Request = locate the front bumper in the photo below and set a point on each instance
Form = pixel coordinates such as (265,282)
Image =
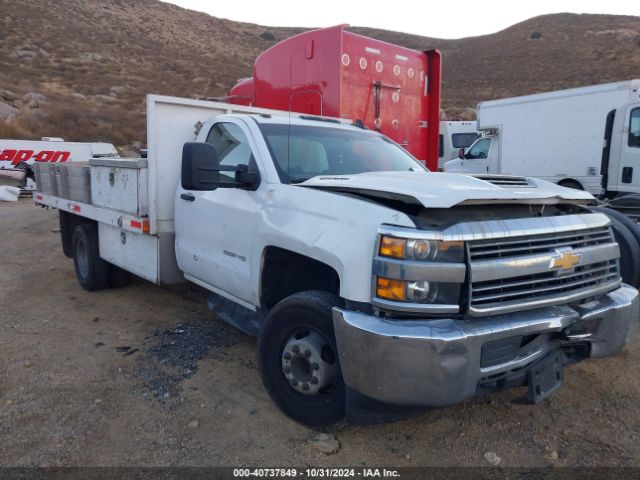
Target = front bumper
(444,361)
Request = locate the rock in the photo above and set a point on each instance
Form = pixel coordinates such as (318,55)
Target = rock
(79,96)
(88,57)
(554,455)
(97,400)
(8,95)
(193,424)
(25,54)
(33,100)
(27,97)
(7,111)
(105,98)
(492,458)
(327,443)
(28,364)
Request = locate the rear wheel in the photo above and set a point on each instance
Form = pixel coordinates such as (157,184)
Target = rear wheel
(298,359)
(92,272)
(570,184)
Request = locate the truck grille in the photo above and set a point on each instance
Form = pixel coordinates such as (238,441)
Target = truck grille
(546,287)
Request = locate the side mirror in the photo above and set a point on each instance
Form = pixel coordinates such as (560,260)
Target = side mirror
(246,179)
(199,166)
(201,170)
(461,154)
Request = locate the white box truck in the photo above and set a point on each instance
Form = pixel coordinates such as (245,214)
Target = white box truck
(586,138)
(375,287)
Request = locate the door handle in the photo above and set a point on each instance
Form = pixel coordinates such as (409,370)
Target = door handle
(189,197)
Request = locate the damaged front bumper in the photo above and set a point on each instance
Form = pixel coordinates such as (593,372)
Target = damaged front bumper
(444,361)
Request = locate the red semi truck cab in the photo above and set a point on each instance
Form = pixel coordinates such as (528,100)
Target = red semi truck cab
(335,73)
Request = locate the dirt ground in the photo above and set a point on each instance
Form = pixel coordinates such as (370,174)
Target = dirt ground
(149,377)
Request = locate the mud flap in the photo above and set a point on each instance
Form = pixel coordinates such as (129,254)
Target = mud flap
(545,376)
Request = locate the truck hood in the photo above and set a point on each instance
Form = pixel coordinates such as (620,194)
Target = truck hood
(445,190)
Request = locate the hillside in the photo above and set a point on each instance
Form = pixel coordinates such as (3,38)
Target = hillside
(80,69)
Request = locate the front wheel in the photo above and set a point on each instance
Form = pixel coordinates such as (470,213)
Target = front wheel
(298,359)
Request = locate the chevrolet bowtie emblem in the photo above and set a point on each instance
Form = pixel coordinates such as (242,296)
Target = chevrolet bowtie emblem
(565,259)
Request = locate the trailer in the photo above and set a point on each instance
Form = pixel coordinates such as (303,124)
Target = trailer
(47,150)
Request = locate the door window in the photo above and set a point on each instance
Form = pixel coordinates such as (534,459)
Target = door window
(463,140)
(480,149)
(232,147)
(634,128)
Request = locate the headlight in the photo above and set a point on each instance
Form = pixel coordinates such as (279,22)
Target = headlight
(424,292)
(421,250)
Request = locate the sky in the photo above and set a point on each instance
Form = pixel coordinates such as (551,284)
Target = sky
(440,19)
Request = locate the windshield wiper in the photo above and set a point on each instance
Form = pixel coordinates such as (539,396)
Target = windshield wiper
(297,180)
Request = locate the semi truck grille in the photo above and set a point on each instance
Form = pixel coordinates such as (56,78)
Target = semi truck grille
(514,273)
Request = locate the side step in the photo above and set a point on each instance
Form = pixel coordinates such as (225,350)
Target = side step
(240,317)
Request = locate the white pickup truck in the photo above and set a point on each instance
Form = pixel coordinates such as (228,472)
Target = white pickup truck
(374,286)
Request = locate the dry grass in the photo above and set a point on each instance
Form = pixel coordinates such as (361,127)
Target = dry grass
(95,61)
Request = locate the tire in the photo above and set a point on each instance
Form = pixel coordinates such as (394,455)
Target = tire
(570,184)
(627,235)
(91,271)
(118,277)
(626,221)
(303,320)
(66,232)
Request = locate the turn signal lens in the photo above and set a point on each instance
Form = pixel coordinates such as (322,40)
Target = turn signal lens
(391,289)
(393,247)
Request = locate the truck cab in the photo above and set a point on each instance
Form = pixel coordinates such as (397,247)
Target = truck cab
(455,135)
(621,150)
(481,157)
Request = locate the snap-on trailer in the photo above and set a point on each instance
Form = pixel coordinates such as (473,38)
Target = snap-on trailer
(50,150)
(132,199)
(336,73)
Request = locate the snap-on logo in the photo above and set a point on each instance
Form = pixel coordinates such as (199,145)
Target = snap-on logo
(17,156)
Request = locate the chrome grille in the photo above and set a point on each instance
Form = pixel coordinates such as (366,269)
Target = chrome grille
(487,249)
(537,288)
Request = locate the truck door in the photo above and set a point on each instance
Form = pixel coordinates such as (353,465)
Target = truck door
(214,229)
(629,172)
(476,159)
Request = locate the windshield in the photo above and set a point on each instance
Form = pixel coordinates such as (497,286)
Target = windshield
(302,152)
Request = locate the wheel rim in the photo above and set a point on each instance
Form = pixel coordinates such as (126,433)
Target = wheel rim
(82,258)
(309,363)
